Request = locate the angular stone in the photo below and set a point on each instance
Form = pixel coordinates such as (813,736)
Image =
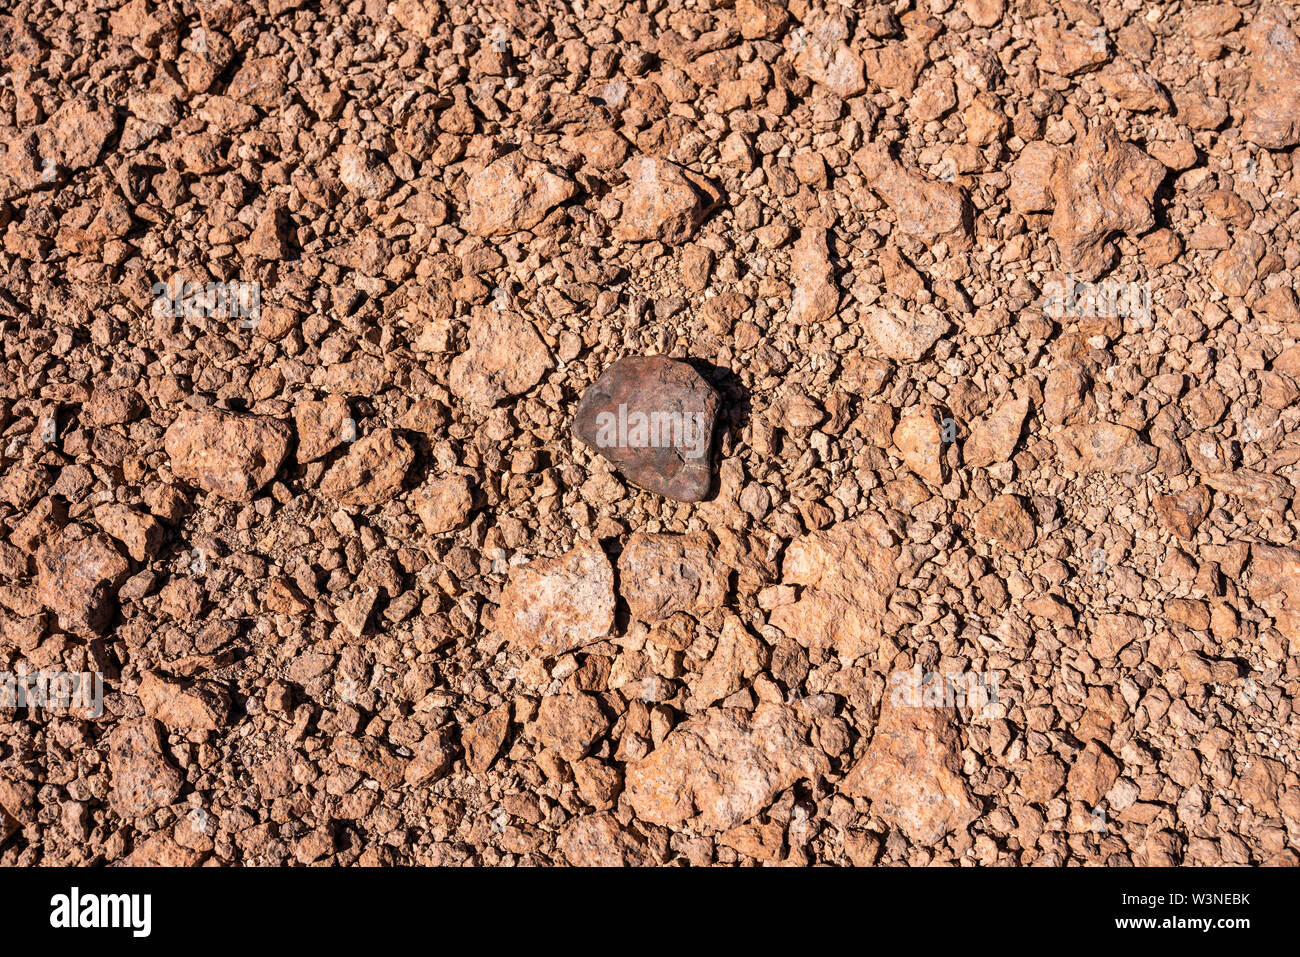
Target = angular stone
(569,724)
(444,504)
(228,454)
(1260,487)
(912,773)
(763,842)
(984,13)
(815,296)
(75,134)
(505,357)
(1274,584)
(598,783)
(1271,106)
(736,660)
(78,573)
(598,840)
(554,605)
(1042,779)
(162,850)
(993,439)
(723,765)
(1006,522)
(904,335)
(433,759)
(823,55)
(759,19)
(513,194)
(653,418)
(1031,175)
(897,66)
(1133,89)
(661,574)
(919,440)
(1103,447)
(192,706)
(143,778)
(321,426)
(369,756)
(354,613)
(1183,512)
(1070,52)
(484,737)
(659,202)
(372,472)
(270,239)
(365,172)
(932,211)
(139,532)
(1112,634)
(111,407)
(1091,775)
(846,574)
(1102,187)
(418,16)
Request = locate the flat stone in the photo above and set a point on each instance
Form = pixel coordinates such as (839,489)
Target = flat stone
(598,840)
(724,765)
(919,440)
(321,426)
(372,472)
(139,532)
(143,778)
(661,574)
(1092,774)
(1103,447)
(1182,512)
(228,454)
(904,335)
(569,724)
(846,574)
(484,737)
(816,296)
(1271,107)
(444,504)
(192,706)
(1005,521)
(554,605)
(912,773)
(1102,187)
(505,357)
(653,418)
(513,194)
(930,210)
(659,201)
(823,55)
(993,439)
(78,573)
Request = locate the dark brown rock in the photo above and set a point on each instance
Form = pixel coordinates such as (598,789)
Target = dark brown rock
(653,418)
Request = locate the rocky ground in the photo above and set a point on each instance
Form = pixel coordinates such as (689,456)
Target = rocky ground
(362,590)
